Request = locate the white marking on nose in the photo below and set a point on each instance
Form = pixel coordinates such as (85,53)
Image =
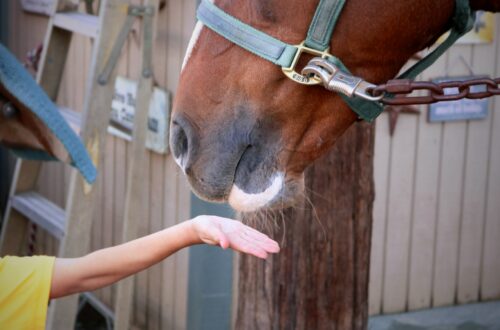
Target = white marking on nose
(244,202)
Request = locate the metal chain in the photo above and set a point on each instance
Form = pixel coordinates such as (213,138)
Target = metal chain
(397,91)
(402,89)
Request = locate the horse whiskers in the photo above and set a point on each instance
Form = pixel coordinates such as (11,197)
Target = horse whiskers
(257,217)
(284,224)
(309,190)
(249,219)
(269,220)
(315,213)
(269,226)
(263,220)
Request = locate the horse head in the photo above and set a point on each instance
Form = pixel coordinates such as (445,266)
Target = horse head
(244,133)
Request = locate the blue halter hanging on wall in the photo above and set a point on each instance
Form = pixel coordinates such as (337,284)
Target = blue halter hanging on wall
(32,100)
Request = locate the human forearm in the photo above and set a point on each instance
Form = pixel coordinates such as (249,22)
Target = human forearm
(106,266)
(132,257)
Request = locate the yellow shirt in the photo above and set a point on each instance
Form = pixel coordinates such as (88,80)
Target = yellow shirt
(24,291)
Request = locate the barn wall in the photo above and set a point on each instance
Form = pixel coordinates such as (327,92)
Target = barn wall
(436,233)
(161,292)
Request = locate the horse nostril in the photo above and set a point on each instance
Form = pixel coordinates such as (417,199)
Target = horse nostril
(180,143)
(183,141)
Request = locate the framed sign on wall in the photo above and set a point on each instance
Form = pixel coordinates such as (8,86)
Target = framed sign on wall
(123,110)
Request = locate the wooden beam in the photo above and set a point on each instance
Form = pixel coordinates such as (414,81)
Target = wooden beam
(319,280)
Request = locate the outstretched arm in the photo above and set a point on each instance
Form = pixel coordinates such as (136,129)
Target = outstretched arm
(107,266)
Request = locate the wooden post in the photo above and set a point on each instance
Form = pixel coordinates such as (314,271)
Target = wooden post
(320,278)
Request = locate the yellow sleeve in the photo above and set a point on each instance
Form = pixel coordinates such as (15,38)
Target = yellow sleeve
(24,291)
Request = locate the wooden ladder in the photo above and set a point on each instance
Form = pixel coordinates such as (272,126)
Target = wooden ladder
(72,225)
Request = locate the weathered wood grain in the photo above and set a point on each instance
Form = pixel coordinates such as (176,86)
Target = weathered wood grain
(319,280)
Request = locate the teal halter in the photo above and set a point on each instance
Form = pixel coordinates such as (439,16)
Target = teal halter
(317,43)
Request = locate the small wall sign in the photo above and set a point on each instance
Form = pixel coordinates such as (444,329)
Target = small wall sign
(462,109)
(158,121)
(123,109)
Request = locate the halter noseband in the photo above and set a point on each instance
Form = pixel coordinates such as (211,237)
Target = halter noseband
(353,90)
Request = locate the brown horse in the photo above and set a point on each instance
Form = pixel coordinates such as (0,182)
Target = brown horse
(244,133)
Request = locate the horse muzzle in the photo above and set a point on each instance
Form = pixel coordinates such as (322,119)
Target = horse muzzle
(235,161)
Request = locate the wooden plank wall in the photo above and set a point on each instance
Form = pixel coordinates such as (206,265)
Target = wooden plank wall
(436,233)
(161,292)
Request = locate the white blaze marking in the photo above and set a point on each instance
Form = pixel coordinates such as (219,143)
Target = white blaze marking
(244,202)
(192,43)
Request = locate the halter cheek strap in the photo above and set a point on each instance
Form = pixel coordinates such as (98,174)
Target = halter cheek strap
(317,43)
(324,21)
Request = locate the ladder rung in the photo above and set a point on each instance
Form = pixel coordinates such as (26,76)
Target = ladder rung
(87,25)
(41,211)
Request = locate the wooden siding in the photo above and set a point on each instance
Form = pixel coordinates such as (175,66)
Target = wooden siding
(161,292)
(436,231)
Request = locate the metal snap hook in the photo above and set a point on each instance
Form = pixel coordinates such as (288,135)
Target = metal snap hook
(334,79)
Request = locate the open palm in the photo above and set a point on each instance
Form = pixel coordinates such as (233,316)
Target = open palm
(230,233)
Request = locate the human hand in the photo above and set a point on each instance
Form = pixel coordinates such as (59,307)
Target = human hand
(225,232)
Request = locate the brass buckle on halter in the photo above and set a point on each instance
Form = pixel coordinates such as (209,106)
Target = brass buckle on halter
(297,77)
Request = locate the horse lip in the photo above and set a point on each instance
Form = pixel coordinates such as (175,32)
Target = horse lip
(232,182)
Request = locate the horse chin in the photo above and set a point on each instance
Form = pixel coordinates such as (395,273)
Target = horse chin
(250,202)
(280,193)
